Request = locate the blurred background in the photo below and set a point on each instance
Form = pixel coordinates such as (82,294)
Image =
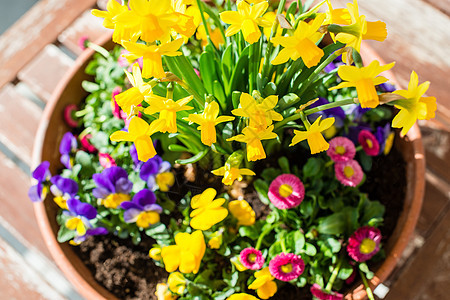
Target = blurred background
(38,44)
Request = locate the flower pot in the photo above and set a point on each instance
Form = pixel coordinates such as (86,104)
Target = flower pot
(52,128)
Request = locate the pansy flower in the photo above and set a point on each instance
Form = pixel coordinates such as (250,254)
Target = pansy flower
(264,284)
(163,292)
(142,210)
(385,137)
(113,186)
(242,296)
(341,149)
(38,192)
(66,147)
(251,258)
(364,243)
(63,189)
(89,232)
(156,173)
(313,135)
(336,112)
(78,216)
(177,283)
(369,143)
(286,191)
(349,172)
(322,294)
(216,240)
(242,211)
(286,266)
(207,211)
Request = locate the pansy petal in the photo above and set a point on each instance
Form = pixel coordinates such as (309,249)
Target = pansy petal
(131,215)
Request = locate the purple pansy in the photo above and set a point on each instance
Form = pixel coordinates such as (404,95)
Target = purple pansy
(386,87)
(37,192)
(66,147)
(113,186)
(336,112)
(334,64)
(78,216)
(382,135)
(151,168)
(63,189)
(89,232)
(142,209)
(134,157)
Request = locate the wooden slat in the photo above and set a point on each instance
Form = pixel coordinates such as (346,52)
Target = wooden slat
(442,5)
(38,27)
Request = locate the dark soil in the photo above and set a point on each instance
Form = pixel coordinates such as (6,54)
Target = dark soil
(128,272)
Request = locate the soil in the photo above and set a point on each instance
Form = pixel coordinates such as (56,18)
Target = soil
(128,272)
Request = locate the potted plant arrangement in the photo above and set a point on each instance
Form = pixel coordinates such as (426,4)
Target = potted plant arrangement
(242,154)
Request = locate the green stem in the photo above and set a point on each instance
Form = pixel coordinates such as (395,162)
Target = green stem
(251,67)
(263,234)
(305,120)
(286,78)
(309,13)
(334,275)
(366,285)
(328,106)
(208,36)
(286,120)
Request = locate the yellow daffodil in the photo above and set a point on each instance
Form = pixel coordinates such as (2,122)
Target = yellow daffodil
(230,174)
(414,106)
(122,31)
(314,136)
(177,283)
(261,114)
(337,16)
(77,224)
(253,137)
(242,296)
(207,211)
(152,56)
(360,29)
(139,132)
(208,121)
(242,211)
(216,240)
(364,79)
(301,44)
(135,95)
(167,109)
(264,284)
(271,16)
(186,254)
(216,36)
(163,292)
(155,253)
(185,25)
(246,19)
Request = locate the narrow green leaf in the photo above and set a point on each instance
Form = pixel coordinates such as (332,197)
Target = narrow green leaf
(194,158)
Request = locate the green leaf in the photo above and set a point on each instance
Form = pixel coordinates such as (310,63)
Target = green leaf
(158,232)
(275,249)
(90,87)
(270,174)
(343,222)
(262,188)
(284,164)
(365,160)
(65,234)
(288,100)
(295,241)
(208,70)
(220,94)
(312,167)
(249,231)
(310,250)
(372,210)
(365,269)
(239,71)
(194,158)
(177,148)
(227,65)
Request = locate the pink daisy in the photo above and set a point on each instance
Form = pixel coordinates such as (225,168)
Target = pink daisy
(286,191)
(341,149)
(286,266)
(321,294)
(251,258)
(86,144)
(106,161)
(364,243)
(369,142)
(349,173)
(83,42)
(69,115)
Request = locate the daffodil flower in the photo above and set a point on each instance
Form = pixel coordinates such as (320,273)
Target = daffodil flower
(314,136)
(414,106)
(301,44)
(246,19)
(253,137)
(135,95)
(230,174)
(187,253)
(261,114)
(167,109)
(364,79)
(207,211)
(208,121)
(139,132)
(152,56)
(360,29)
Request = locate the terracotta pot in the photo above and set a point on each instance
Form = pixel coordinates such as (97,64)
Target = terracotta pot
(52,128)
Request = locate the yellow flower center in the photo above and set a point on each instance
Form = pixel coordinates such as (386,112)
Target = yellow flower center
(367,246)
(147,218)
(114,200)
(285,190)
(340,150)
(369,143)
(348,171)
(286,268)
(61,201)
(251,257)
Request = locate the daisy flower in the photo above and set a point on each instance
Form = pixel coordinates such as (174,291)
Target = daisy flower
(341,149)
(321,294)
(349,173)
(364,243)
(251,258)
(286,266)
(286,191)
(369,142)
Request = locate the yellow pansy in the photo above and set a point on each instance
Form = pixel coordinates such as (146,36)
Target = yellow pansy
(186,254)
(414,106)
(165,180)
(208,121)
(76,223)
(152,56)
(242,211)
(360,29)
(230,174)
(247,18)
(264,285)
(364,79)
(216,240)
(253,137)
(301,44)
(207,211)
(139,132)
(177,283)
(163,293)
(135,95)
(167,109)
(242,296)
(260,114)
(314,136)
(147,218)
(155,253)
